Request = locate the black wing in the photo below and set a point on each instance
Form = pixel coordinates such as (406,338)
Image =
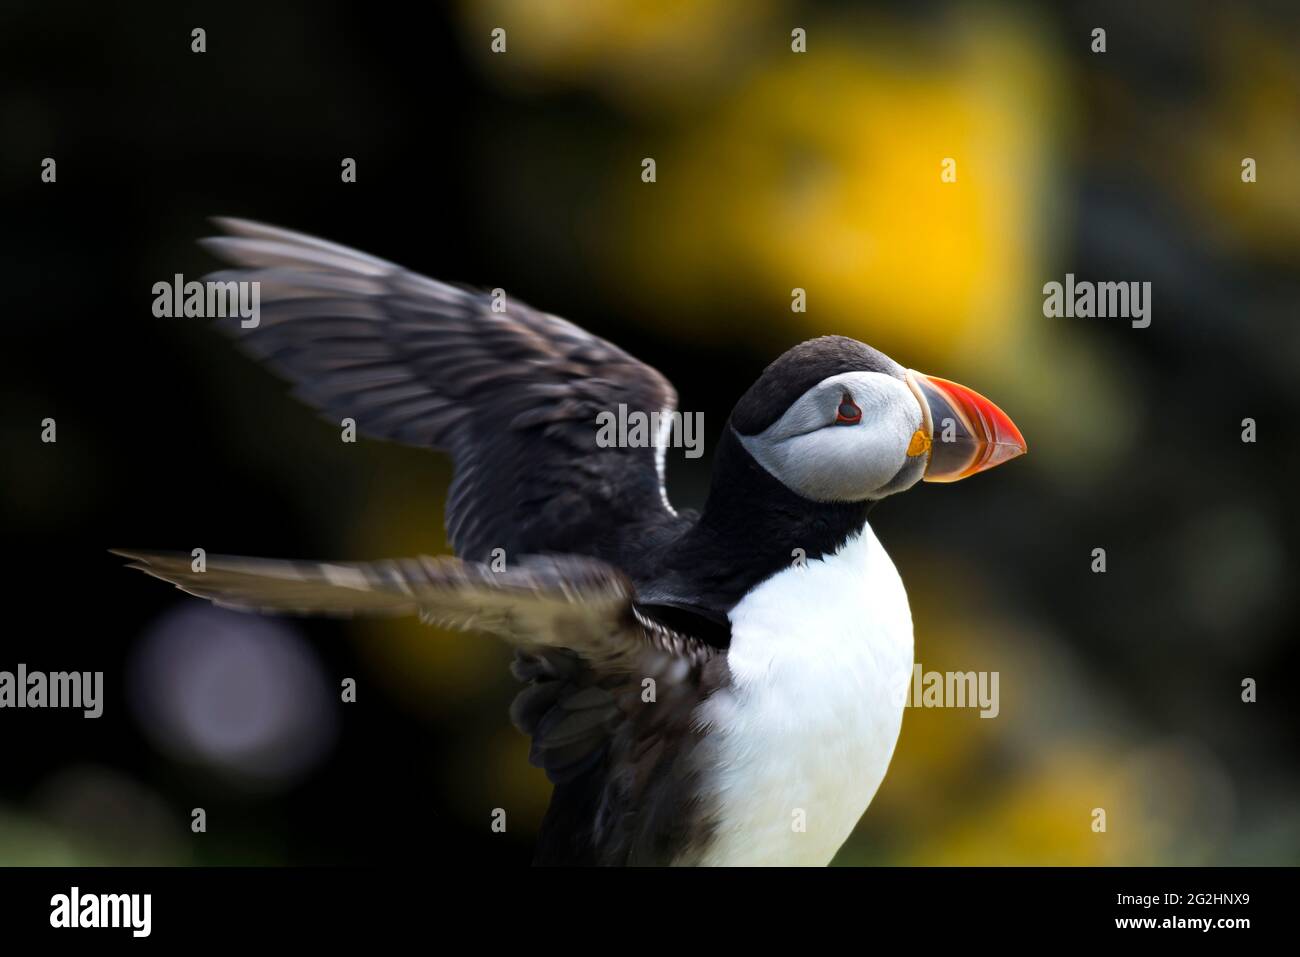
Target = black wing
(611,693)
(512,395)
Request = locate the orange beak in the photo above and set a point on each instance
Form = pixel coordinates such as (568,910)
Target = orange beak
(967,433)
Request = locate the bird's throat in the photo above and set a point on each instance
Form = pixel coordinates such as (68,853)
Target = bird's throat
(754,526)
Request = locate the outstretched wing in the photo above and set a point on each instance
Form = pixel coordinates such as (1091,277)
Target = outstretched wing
(581,605)
(512,395)
(607,686)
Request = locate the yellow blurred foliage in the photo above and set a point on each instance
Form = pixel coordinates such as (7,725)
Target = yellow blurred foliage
(1261,84)
(1044,816)
(824,173)
(644,52)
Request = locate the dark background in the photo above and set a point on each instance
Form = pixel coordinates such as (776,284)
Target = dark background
(1119,691)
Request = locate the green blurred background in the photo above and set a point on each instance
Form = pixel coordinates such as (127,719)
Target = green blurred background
(775,170)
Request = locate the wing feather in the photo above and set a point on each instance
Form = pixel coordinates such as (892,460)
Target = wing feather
(576,604)
(513,396)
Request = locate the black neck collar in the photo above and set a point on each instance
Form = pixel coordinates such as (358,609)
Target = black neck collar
(753,527)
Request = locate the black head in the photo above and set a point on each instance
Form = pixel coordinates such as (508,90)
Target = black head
(829,428)
(834,420)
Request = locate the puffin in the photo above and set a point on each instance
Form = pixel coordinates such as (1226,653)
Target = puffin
(713,687)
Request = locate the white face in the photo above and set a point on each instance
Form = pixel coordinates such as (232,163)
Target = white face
(815,453)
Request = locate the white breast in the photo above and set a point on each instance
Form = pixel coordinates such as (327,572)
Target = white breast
(799,742)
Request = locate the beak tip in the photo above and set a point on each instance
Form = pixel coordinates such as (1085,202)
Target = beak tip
(1005,452)
(1006,441)
(994,438)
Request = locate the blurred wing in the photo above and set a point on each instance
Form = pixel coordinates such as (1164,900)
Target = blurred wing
(512,395)
(577,604)
(585,651)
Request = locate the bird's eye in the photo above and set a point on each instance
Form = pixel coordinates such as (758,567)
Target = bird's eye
(848,413)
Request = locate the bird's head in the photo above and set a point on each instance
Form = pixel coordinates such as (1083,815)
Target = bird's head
(833,420)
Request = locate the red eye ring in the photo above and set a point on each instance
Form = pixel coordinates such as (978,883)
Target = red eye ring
(848,413)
